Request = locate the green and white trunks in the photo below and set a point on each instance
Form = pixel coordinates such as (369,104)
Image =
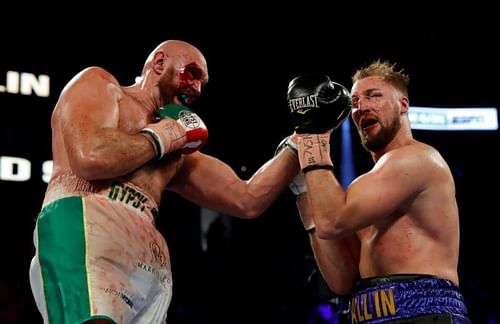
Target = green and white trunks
(99,255)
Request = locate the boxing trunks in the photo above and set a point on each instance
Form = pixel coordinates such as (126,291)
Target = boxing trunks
(407,299)
(99,255)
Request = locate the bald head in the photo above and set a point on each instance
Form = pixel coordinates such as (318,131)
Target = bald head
(174,67)
(175,50)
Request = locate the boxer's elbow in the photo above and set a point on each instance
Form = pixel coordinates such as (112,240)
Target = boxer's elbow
(341,281)
(326,230)
(247,207)
(247,211)
(329,228)
(90,166)
(341,287)
(251,213)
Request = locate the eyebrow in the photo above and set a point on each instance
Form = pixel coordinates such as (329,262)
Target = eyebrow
(370,90)
(365,92)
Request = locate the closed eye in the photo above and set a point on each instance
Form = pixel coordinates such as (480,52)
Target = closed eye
(196,73)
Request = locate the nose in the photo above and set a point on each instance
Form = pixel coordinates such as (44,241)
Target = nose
(196,86)
(360,106)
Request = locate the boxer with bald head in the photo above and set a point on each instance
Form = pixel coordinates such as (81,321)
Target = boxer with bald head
(99,257)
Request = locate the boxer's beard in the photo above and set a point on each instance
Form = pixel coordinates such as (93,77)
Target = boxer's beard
(165,84)
(385,135)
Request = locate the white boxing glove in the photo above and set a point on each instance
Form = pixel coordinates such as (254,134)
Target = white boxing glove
(305,212)
(196,131)
(298,185)
(178,128)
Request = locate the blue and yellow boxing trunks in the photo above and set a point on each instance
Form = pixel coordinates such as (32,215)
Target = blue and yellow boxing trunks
(407,299)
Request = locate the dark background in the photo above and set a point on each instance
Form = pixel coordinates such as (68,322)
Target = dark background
(257,271)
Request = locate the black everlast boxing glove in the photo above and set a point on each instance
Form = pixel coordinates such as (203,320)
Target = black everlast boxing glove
(317,104)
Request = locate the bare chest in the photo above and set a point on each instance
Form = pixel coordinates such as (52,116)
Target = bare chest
(388,247)
(133,116)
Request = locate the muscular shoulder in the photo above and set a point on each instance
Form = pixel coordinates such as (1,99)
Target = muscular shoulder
(93,90)
(417,160)
(422,155)
(97,74)
(92,78)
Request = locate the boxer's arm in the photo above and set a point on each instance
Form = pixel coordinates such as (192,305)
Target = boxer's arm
(87,118)
(337,260)
(298,185)
(394,182)
(211,183)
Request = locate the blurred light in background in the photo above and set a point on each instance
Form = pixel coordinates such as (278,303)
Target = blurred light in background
(428,118)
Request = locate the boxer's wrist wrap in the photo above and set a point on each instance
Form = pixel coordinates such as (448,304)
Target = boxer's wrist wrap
(155,140)
(314,152)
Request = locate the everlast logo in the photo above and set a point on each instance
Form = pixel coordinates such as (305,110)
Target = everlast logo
(303,102)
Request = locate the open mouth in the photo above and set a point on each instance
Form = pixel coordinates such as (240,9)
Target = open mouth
(183,99)
(368,122)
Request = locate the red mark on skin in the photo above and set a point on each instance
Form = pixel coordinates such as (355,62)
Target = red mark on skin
(188,74)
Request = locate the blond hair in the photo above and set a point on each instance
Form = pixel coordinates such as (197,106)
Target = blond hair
(387,71)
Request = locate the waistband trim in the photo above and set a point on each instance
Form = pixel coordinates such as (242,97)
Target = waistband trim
(69,185)
(365,283)
(131,195)
(394,297)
